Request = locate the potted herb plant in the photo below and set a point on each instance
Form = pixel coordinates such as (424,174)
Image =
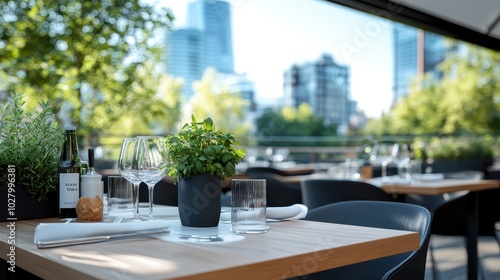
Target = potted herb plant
(199,157)
(30,146)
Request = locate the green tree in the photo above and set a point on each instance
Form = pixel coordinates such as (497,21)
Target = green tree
(288,122)
(465,101)
(419,112)
(94,61)
(167,103)
(381,126)
(227,109)
(471,85)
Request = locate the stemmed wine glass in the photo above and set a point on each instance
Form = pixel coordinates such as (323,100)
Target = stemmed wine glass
(403,160)
(127,163)
(394,156)
(151,157)
(401,153)
(385,157)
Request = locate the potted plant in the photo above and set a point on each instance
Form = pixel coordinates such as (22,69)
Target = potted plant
(199,158)
(450,154)
(30,147)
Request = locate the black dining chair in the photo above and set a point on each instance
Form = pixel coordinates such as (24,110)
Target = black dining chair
(497,231)
(164,193)
(278,193)
(319,192)
(450,211)
(265,169)
(380,214)
(432,202)
(450,219)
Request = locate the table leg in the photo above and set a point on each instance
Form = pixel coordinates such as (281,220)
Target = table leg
(472,235)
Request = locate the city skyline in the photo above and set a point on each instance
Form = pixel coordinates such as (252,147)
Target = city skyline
(271,36)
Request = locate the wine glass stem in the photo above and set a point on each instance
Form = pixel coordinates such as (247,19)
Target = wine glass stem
(150,190)
(136,200)
(384,170)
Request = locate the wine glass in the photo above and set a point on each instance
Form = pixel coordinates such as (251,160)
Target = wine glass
(403,160)
(396,155)
(386,159)
(401,153)
(151,157)
(127,163)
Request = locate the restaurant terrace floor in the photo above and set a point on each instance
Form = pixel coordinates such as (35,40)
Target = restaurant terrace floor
(450,257)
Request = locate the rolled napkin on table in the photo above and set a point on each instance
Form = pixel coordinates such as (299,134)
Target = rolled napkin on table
(285,213)
(52,232)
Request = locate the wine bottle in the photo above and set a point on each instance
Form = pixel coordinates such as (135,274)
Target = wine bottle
(69,175)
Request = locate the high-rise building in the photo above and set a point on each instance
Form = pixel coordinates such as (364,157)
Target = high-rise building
(415,52)
(205,42)
(213,18)
(185,56)
(325,86)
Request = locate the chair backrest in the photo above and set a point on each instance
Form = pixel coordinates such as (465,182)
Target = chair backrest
(450,218)
(319,192)
(278,193)
(380,214)
(433,202)
(265,169)
(165,192)
(465,174)
(497,231)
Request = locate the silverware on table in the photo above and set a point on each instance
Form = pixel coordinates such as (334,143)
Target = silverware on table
(94,239)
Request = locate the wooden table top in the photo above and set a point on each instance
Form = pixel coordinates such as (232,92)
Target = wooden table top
(416,187)
(290,248)
(440,186)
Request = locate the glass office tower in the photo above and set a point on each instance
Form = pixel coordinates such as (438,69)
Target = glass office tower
(205,42)
(415,52)
(213,18)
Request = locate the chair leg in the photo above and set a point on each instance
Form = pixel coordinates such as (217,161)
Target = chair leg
(497,235)
(435,272)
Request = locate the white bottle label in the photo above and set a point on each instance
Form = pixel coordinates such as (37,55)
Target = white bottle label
(69,190)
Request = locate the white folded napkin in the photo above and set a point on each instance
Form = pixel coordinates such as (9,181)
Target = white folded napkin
(292,212)
(64,231)
(430,177)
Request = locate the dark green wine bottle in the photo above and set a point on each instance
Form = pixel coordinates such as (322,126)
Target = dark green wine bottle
(69,175)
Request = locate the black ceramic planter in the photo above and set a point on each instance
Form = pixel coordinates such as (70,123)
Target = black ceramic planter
(25,206)
(199,199)
(443,165)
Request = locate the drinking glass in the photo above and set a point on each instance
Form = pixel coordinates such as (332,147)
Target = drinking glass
(248,206)
(151,157)
(401,154)
(127,164)
(383,156)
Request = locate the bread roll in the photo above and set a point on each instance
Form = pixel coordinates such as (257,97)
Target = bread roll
(89,209)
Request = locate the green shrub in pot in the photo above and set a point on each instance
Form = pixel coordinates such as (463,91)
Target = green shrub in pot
(199,157)
(453,154)
(31,142)
(198,148)
(454,148)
